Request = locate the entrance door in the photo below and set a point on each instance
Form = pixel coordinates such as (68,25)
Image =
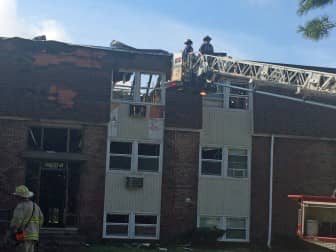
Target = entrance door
(53,193)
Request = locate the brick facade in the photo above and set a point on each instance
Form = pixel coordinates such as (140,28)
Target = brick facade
(179,183)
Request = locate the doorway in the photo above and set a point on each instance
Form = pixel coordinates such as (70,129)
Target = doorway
(56,186)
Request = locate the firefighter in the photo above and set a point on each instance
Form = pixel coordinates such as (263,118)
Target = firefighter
(188,48)
(206,47)
(26,221)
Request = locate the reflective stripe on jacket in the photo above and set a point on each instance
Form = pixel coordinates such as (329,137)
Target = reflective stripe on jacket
(22,214)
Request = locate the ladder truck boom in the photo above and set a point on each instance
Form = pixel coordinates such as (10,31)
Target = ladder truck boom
(212,65)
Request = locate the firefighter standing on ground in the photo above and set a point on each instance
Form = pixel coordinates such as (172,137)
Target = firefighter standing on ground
(27,217)
(206,47)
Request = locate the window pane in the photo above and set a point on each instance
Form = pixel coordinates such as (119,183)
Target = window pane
(238,223)
(123,86)
(34,138)
(148,164)
(237,162)
(150,87)
(55,139)
(120,163)
(235,234)
(117,218)
(121,148)
(211,168)
(238,102)
(149,149)
(145,219)
(209,222)
(145,231)
(75,140)
(120,230)
(212,153)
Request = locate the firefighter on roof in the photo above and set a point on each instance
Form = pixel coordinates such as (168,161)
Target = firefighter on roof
(188,48)
(206,47)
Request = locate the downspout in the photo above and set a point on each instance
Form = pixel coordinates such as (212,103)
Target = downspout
(270,207)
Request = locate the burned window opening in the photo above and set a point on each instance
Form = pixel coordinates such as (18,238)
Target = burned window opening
(55,139)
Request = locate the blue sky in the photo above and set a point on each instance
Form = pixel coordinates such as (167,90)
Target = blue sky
(250,29)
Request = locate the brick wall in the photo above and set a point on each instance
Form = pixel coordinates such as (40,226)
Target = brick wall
(300,167)
(92,182)
(13,141)
(179,182)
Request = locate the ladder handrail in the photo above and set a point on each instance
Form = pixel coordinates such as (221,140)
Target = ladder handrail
(303,78)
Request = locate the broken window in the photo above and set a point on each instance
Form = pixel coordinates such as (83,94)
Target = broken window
(54,139)
(239,99)
(148,157)
(211,161)
(123,85)
(150,87)
(120,156)
(237,163)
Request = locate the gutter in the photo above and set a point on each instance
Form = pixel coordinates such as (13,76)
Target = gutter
(270,207)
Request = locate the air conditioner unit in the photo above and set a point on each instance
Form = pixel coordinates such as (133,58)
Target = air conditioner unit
(134,182)
(138,111)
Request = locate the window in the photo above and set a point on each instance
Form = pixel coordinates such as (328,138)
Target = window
(131,226)
(148,157)
(237,163)
(215,160)
(235,227)
(117,225)
(211,161)
(120,156)
(55,139)
(150,87)
(123,85)
(137,87)
(215,98)
(145,226)
(210,222)
(238,99)
(145,155)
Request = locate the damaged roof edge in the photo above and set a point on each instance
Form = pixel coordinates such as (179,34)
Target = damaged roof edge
(115,46)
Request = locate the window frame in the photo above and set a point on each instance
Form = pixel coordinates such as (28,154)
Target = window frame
(212,160)
(247,172)
(137,88)
(225,161)
(41,142)
(135,156)
(223,223)
(226,95)
(132,225)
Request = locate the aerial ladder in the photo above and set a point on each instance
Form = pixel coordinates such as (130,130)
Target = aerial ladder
(206,68)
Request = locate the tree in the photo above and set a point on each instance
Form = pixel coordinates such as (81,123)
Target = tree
(319,27)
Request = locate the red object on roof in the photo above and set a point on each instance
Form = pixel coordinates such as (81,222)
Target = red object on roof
(312,198)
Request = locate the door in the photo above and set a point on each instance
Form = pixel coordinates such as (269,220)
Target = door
(53,193)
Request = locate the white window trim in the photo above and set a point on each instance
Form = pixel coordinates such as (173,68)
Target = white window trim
(137,88)
(225,160)
(134,157)
(223,225)
(131,226)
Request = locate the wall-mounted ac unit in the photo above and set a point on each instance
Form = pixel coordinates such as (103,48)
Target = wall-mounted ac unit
(134,182)
(138,111)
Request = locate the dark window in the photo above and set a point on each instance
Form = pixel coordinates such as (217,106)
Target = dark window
(239,99)
(117,218)
(117,230)
(149,149)
(120,162)
(121,148)
(148,157)
(211,161)
(145,219)
(55,139)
